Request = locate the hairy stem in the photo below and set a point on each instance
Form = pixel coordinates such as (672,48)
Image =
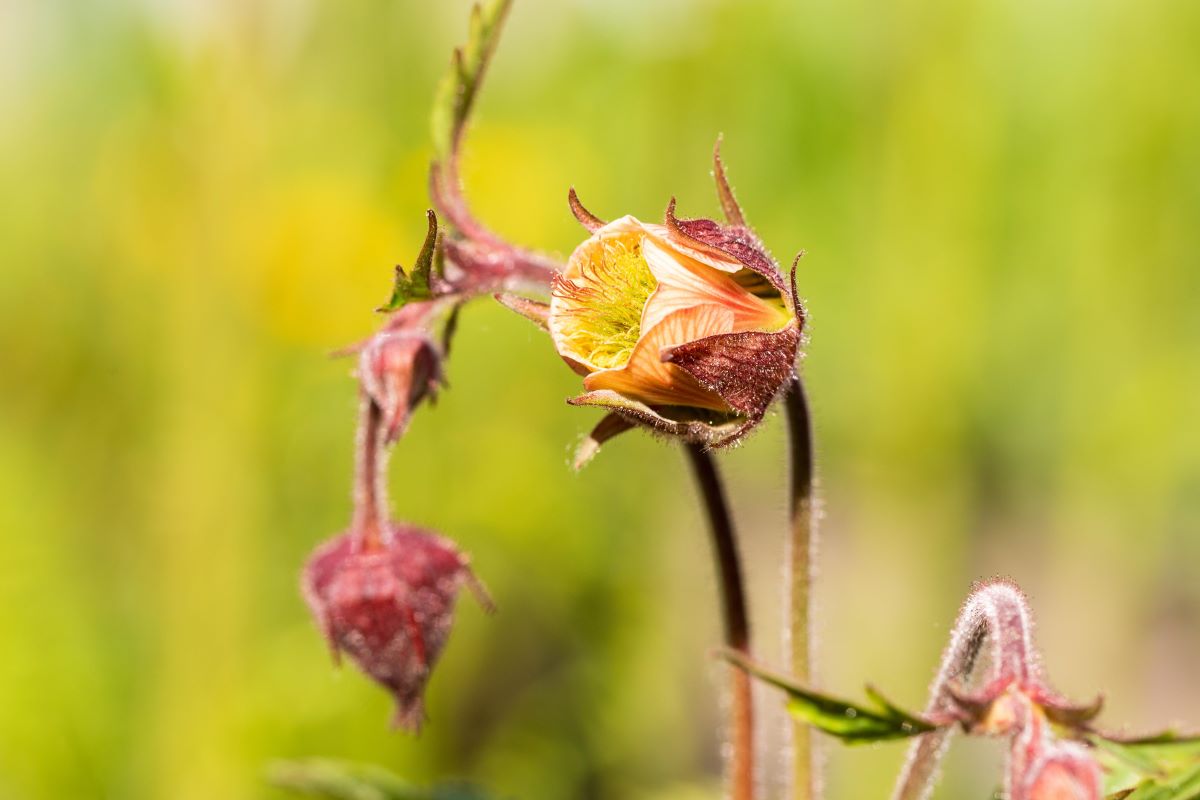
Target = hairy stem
(996,613)
(801,549)
(736,620)
(370,477)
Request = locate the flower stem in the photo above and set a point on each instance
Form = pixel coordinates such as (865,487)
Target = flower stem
(736,620)
(995,614)
(370,476)
(801,548)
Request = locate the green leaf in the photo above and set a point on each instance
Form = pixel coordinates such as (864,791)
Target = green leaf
(337,780)
(1183,784)
(417,285)
(458,89)
(1116,756)
(1165,766)
(850,722)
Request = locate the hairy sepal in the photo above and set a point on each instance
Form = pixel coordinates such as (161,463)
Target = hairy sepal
(747,369)
(726,242)
(713,434)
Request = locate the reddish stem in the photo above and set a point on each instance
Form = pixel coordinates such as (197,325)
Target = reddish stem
(369,524)
(736,620)
(802,544)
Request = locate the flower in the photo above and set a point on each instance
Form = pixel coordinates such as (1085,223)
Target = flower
(687,327)
(388,603)
(1041,764)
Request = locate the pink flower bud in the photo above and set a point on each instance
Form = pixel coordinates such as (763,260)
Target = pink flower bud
(398,368)
(388,604)
(1059,771)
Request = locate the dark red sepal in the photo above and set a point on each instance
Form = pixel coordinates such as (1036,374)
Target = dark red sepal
(727,241)
(586,218)
(747,369)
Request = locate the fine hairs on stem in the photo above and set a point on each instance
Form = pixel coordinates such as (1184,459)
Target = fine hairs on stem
(735,618)
(996,614)
(370,522)
(801,551)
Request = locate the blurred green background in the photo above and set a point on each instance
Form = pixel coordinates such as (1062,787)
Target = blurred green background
(1000,200)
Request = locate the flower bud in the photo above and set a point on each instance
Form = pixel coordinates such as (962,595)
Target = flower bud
(388,604)
(398,369)
(401,365)
(1059,771)
(1041,765)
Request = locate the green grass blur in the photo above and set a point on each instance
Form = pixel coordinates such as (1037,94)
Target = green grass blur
(1000,200)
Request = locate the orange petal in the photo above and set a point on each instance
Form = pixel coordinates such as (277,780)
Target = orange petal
(685,283)
(648,379)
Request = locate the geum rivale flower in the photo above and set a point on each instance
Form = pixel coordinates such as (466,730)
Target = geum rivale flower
(687,327)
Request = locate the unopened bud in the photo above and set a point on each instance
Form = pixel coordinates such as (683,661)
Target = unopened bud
(398,369)
(389,606)
(1065,771)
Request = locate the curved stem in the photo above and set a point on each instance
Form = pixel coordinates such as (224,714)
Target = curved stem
(735,618)
(801,549)
(370,476)
(996,613)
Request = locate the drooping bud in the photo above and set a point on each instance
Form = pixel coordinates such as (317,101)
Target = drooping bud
(389,606)
(401,365)
(1043,766)
(1068,773)
(398,369)
(994,628)
(384,592)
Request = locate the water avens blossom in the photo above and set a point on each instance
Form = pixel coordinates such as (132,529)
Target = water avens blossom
(686,327)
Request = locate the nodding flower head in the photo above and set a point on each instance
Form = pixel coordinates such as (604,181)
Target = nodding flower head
(400,366)
(687,327)
(398,369)
(389,605)
(383,592)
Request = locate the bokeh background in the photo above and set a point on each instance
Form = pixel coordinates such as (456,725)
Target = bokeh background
(1000,200)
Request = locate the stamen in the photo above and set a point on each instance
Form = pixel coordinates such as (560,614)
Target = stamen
(602,306)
